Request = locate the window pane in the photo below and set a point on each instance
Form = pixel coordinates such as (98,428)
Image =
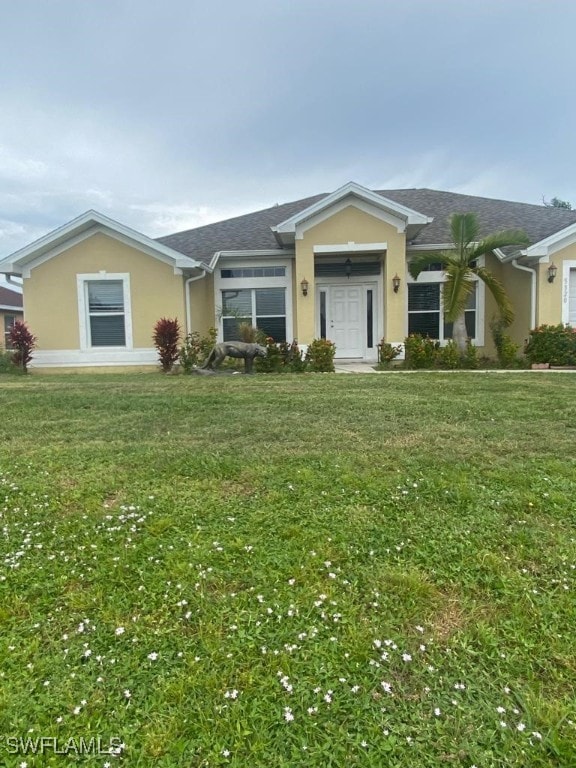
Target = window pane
(106,296)
(230,327)
(369,320)
(425,323)
(234,302)
(322,314)
(107,331)
(470,326)
(270,301)
(273,326)
(423,297)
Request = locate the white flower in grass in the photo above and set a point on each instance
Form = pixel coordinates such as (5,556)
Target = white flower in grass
(233,694)
(225,753)
(288,716)
(312,710)
(364,744)
(500,710)
(386,686)
(537,735)
(521,727)
(119,631)
(153,656)
(503,724)
(437,712)
(127,694)
(406,657)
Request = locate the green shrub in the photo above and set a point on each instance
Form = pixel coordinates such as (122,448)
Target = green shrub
(387,353)
(6,364)
(449,356)
(21,342)
(293,359)
(554,344)
(420,351)
(166,336)
(320,356)
(470,359)
(506,349)
(274,361)
(196,349)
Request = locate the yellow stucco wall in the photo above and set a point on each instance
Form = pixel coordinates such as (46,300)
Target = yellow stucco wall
(518,286)
(51,296)
(550,295)
(351,225)
(202,310)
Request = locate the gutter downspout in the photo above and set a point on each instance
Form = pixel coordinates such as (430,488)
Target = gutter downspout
(532,272)
(187,298)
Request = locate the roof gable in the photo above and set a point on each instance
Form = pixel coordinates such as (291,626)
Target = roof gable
(353,194)
(88,224)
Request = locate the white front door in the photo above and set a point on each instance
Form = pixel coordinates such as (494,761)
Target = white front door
(346,320)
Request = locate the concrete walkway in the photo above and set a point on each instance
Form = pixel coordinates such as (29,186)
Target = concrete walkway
(355,368)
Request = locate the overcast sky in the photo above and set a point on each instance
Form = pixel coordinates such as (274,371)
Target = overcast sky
(168,115)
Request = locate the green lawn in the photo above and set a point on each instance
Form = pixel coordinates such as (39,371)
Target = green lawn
(316,570)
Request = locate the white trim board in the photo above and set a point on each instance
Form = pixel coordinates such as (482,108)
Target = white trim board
(567,266)
(68,358)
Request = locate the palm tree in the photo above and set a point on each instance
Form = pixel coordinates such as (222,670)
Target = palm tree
(461,267)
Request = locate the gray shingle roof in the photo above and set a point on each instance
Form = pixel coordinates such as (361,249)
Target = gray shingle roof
(10,298)
(253,230)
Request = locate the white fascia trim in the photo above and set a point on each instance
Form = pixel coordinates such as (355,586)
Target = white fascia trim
(431,247)
(84,226)
(8,308)
(77,358)
(276,253)
(566,267)
(553,243)
(408,215)
(351,247)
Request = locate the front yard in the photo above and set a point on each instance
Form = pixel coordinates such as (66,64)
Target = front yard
(308,570)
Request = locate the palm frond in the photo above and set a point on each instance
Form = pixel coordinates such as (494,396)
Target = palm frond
(456,291)
(498,240)
(497,290)
(423,260)
(464,229)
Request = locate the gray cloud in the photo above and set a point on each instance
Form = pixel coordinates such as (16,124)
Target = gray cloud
(169,116)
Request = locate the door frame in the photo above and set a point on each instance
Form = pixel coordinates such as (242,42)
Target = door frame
(374,283)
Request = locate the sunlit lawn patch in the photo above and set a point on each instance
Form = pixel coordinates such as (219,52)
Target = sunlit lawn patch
(289,571)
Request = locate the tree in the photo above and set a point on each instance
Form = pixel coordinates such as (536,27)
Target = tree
(21,342)
(556,202)
(461,268)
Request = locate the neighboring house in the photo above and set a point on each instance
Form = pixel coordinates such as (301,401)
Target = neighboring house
(331,266)
(10,310)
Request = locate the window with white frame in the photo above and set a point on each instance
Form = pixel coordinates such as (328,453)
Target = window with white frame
(9,321)
(104,311)
(105,300)
(264,308)
(426,312)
